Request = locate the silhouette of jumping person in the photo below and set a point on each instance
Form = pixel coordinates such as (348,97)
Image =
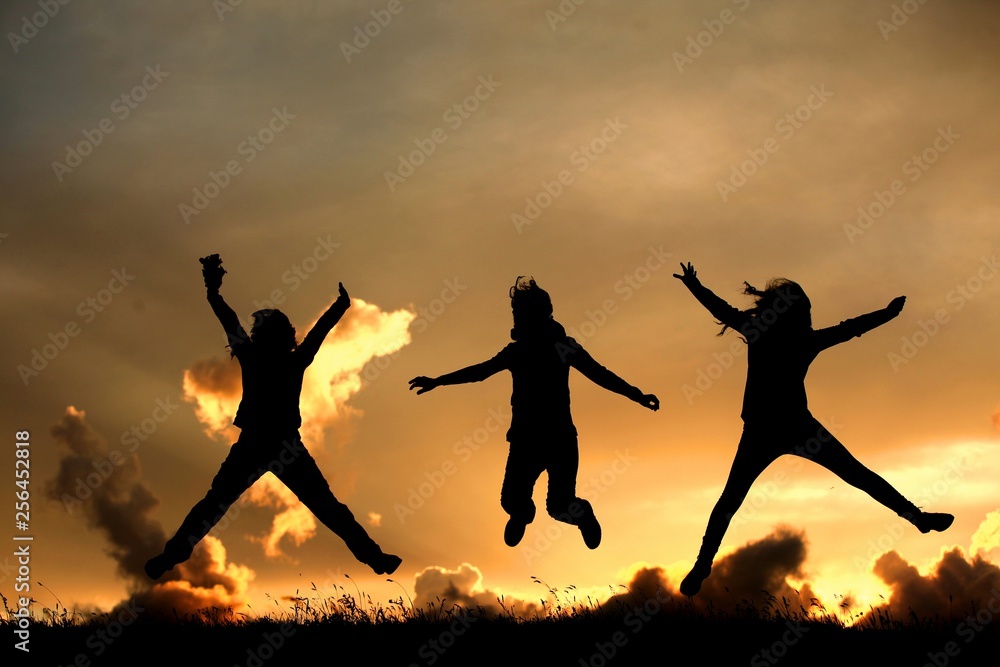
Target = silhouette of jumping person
(542,435)
(781,344)
(272,367)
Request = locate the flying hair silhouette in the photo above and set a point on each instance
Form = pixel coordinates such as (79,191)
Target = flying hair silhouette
(776,419)
(542,435)
(272,366)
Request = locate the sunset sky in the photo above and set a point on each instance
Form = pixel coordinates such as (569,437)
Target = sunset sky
(849,146)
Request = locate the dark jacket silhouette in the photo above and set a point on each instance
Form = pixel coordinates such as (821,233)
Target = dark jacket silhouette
(542,435)
(776,419)
(272,367)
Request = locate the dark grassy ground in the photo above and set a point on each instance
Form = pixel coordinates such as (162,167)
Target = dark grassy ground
(631,631)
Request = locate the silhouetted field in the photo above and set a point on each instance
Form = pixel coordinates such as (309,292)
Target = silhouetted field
(628,630)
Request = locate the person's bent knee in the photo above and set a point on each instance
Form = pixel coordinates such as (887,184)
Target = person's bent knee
(571,511)
(521,509)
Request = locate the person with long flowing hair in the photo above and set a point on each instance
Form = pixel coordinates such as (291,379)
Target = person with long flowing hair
(781,343)
(272,364)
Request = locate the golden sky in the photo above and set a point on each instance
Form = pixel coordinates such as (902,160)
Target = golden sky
(427,164)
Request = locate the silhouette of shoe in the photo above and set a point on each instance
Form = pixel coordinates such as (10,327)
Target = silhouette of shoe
(590,528)
(386,564)
(928,521)
(157,566)
(698,574)
(514,531)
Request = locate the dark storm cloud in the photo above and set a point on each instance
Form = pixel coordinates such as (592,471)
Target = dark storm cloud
(956,585)
(106,486)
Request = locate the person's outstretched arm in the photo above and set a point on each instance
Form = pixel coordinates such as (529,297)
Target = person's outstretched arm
(728,315)
(310,344)
(859,325)
(212,272)
(581,360)
(475,373)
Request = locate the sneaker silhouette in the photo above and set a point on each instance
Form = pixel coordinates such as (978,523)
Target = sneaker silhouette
(514,531)
(590,528)
(386,564)
(157,566)
(928,521)
(698,574)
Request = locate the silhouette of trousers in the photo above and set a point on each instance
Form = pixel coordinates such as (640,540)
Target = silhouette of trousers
(559,456)
(285,456)
(760,446)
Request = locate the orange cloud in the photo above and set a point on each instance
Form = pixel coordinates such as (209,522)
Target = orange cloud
(440,588)
(769,564)
(956,584)
(757,572)
(987,537)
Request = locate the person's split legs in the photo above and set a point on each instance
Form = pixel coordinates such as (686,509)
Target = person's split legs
(748,464)
(304,478)
(754,454)
(833,456)
(238,472)
(247,461)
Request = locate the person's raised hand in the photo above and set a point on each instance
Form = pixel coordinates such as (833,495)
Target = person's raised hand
(212,271)
(343,298)
(688,275)
(422,384)
(896,305)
